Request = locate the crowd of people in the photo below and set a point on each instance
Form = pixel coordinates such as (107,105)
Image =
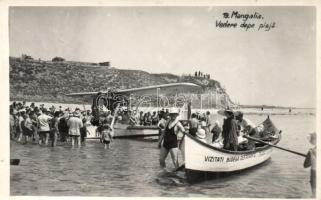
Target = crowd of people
(46,126)
(33,124)
(30,123)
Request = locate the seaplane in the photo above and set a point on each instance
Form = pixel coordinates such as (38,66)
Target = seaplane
(134,100)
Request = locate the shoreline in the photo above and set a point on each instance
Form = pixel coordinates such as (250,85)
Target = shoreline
(247,111)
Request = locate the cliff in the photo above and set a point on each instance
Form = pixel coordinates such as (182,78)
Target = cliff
(47,81)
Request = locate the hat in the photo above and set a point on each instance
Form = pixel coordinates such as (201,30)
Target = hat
(174,111)
(77,114)
(229,111)
(201,133)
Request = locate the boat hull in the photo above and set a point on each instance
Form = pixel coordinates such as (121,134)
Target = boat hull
(203,157)
(194,176)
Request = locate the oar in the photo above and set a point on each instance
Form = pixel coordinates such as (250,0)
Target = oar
(288,150)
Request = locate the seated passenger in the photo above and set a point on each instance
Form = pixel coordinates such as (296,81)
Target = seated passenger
(193,125)
(132,118)
(204,126)
(243,122)
(201,135)
(155,118)
(141,118)
(216,131)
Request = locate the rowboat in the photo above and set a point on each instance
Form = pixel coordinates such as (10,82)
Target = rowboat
(203,158)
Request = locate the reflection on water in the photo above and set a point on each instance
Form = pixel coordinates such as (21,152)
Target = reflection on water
(131,168)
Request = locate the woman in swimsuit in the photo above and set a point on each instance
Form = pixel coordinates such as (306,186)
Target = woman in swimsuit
(170,144)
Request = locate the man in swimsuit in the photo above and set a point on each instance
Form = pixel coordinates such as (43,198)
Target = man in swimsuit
(170,144)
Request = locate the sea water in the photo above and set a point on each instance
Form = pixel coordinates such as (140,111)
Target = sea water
(131,168)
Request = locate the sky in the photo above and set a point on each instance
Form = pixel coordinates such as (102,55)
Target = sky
(275,67)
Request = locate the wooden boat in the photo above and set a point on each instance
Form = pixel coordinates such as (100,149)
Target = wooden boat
(203,158)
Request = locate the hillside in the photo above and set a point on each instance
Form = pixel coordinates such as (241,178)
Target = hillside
(37,80)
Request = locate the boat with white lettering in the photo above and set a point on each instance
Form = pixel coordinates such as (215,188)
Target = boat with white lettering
(203,158)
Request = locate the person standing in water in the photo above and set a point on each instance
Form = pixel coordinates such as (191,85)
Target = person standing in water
(310,161)
(106,135)
(54,129)
(44,128)
(74,123)
(170,143)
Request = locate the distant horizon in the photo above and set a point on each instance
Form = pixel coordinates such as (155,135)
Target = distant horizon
(255,67)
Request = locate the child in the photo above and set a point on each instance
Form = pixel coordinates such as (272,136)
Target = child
(106,135)
(310,161)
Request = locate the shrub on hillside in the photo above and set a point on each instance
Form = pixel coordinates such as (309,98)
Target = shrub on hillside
(58,59)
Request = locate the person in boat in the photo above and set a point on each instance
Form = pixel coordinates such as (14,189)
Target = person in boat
(310,161)
(155,118)
(229,132)
(141,118)
(147,119)
(132,118)
(208,121)
(216,131)
(243,123)
(201,135)
(170,143)
(203,125)
(193,124)
(167,114)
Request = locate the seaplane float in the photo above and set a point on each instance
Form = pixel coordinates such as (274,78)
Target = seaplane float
(134,100)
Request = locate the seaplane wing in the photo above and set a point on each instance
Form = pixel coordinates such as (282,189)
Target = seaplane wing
(170,88)
(80,94)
